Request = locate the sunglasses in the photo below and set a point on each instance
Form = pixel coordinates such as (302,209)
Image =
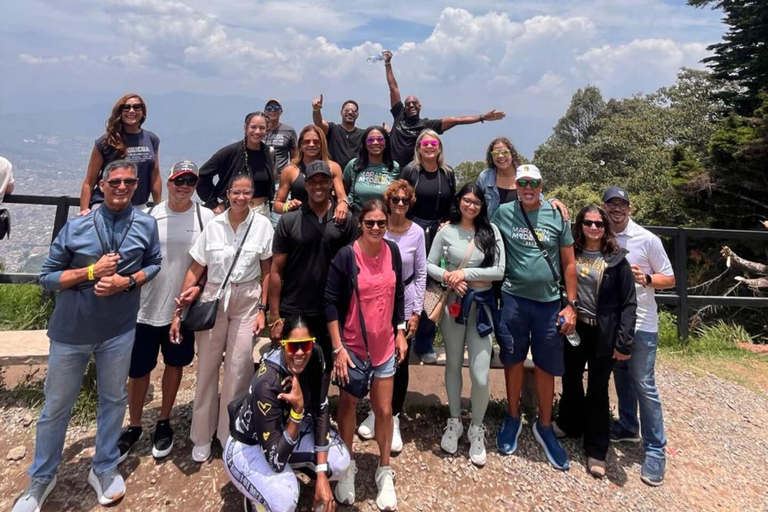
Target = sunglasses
(349,111)
(500,152)
(185,180)
(371,140)
(597,223)
(138,107)
(310,142)
(409,103)
(293,346)
(238,193)
(273,108)
(128,182)
(522,183)
(433,143)
(468,202)
(378,223)
(400,200)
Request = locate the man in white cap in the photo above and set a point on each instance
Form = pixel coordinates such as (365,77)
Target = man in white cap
(536,311)
(179,221)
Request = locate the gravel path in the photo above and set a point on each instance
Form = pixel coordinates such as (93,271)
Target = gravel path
(717,460)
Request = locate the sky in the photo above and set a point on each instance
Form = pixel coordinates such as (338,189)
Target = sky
(523,57)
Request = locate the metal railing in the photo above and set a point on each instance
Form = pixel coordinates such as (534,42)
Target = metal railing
(680,299)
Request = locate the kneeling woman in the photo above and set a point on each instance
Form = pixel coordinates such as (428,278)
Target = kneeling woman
(283,424)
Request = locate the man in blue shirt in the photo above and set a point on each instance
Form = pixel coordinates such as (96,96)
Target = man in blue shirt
(97,263)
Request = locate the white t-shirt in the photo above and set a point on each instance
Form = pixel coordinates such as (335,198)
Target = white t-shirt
(6,176)
(178,232)
(646,251)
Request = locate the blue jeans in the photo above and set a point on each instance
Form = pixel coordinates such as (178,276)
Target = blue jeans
(635,381)
(424,336)
(66,366)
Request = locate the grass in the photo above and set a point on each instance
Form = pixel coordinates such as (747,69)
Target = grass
(23,307)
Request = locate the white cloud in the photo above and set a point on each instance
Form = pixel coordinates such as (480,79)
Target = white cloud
(35,61)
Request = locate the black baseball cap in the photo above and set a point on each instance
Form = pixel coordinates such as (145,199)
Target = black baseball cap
(614,192)
(317,167)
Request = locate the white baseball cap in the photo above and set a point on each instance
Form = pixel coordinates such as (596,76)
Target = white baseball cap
(529,171)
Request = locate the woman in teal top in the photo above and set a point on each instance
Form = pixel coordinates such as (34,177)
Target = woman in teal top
(369,174)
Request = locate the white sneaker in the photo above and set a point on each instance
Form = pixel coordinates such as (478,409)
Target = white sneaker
(397,440)
(476,436)
(345,489)
(386,499)
(109,487)
(201,452)
(367,429)
(453,431)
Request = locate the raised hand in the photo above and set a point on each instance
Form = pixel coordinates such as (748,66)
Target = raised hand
(317,104)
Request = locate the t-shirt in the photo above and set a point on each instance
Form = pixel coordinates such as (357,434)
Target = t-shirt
(141,150)
(433,194)
(527,273)
(178,232)
(405,131)
(283,139)
(507,195)
(343,146)
(310,245)
(262,181)
(369,183)
(590,267)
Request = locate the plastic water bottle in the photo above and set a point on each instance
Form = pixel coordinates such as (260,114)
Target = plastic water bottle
(373,59)
(574,339)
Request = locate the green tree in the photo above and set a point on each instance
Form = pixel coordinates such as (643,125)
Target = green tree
(467,172)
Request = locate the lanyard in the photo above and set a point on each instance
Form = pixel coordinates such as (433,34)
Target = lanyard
(107,248)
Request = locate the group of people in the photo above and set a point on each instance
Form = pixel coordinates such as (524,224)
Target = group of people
(332,241)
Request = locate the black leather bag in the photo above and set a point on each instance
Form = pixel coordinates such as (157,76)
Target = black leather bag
(201,315)
(5,224)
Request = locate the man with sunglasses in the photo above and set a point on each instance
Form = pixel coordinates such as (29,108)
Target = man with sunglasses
(280,136)
(305,242)
(635,379)
(179,222)
(343,139)
(97,263)
(408,125)
(539,255)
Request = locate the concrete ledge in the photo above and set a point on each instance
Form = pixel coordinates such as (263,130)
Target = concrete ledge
(23,347)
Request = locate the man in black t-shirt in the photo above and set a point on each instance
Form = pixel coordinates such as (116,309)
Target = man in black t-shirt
(343,139)
(408,125)
(305,242)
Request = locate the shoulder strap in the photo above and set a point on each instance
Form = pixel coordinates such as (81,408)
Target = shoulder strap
(468,254)
(544,252)
(237,255)
(199,217)
(149,212)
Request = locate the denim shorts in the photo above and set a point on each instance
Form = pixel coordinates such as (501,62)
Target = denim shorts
(532,324)
(386,369)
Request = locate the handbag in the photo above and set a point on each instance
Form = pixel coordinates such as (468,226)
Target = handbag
(545,254)
(5,224)
(436,295)
(201,315)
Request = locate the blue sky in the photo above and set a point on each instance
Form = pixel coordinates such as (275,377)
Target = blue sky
(524,57)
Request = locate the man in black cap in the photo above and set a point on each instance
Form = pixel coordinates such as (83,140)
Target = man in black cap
(305,242)
(635,378)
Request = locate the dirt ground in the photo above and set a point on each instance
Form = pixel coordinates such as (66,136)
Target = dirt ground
(717,455)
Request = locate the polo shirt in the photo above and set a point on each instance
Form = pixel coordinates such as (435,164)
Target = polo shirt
(310,243)
(646,251)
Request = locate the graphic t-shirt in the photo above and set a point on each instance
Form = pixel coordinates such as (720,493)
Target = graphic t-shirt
(343,146)
(141,150)
(405,131)
(527,273)
(283,139)
(590,267)
(369,183)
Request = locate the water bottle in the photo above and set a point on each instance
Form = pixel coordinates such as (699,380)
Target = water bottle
(373,59)
(574,339)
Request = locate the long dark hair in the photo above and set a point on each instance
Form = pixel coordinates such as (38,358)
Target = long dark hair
(362,155)
(114,135)
(240,175)
(484,237)
(513,154)
(294,322)
(609,243)
(371,205)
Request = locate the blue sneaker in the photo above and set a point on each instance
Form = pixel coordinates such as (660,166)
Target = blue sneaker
(506,437)
(653,471)
(552,447)
(620,434)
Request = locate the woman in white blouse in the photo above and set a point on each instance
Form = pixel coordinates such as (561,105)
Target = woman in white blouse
(241,310)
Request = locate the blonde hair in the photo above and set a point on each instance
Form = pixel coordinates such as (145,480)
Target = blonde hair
(417,156)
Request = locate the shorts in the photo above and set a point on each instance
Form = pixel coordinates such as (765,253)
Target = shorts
(386,369)
(150,340)
(532,324)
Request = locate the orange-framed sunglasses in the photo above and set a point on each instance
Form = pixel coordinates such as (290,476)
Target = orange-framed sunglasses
(303,344)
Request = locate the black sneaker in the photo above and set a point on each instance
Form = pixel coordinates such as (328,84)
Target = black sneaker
(127,441)
(162,440)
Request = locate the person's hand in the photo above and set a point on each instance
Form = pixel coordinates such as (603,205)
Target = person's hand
(317,104)
(84,212)
(442,225)
(188,296)
(340,213)
(401,347)
(461,289)
(276,332)
(386,127)
(106,266)
(341,362)
(638,274)
(453,278)
(494,115)
(413,325)
(110,285)
(619,356)
(323,495)
(175,332)
(260,322)
(387,56)
(219,208)
(292,393)
(561,208)
(568,313)
(293,204)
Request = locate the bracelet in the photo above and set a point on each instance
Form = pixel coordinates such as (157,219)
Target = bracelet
(481,118)
(263,307)
(278,321)
(337,350)
(90,272)
(286,207)
(321,468)
(296,416)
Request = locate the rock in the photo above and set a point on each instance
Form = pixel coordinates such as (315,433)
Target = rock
(27,419)
(17,453)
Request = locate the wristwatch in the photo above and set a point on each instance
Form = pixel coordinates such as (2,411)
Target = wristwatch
(648,279)
(131,284)
(574,303)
